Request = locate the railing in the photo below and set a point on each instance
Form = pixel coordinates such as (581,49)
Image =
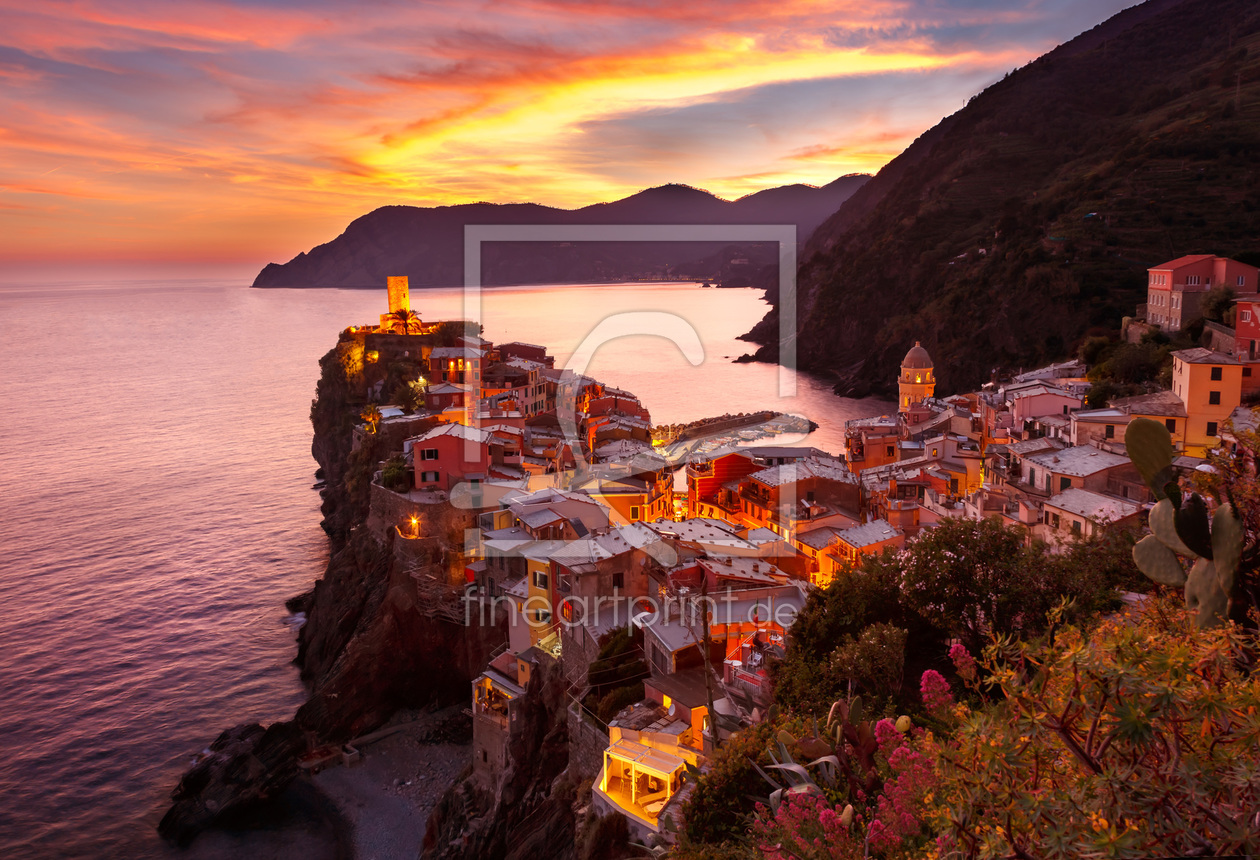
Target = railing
(438,598)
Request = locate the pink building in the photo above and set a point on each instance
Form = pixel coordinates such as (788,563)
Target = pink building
(451,453)
(1039,399)
(1175,289)
(1247,339)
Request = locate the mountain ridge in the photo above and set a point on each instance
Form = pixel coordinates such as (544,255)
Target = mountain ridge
(426,243)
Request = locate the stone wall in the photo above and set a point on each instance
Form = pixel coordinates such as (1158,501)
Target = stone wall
(435,517)
(587,742)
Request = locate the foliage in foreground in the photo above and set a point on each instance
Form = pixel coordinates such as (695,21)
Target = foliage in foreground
(1136,739)
(892,617)
(1133,739)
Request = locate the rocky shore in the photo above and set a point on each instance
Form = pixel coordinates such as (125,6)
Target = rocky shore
(373,649)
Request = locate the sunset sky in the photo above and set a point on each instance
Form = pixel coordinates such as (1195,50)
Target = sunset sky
(230,134)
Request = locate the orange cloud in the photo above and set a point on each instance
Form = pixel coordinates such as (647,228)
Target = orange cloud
(242,129)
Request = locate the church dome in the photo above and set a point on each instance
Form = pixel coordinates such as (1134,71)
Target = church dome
(917,357)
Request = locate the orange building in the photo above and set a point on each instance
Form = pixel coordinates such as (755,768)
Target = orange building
(1210,385)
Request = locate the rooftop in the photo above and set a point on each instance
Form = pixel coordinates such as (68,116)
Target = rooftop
(868,534)
(1094,506)
(1162,403)
(1181,261)
(1079,462)
(813,467)
(459,431)
(917,357)
(1200,355)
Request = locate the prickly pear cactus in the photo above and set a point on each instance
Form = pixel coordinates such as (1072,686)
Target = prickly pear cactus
(1180,528)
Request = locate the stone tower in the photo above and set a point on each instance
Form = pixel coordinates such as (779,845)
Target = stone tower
(916,381)
(399,300)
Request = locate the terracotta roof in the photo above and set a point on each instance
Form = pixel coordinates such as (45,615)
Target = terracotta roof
(1182,261)
(917,357)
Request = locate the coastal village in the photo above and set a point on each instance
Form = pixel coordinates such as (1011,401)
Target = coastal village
(661,578)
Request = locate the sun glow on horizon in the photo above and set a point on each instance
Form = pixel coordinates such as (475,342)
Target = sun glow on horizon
(237,130)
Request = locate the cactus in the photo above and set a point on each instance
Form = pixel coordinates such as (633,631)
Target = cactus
(843,752)
(1180,527)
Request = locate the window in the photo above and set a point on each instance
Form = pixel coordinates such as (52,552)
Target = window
(1214,398)
(1065,484)
(1032,476)
(619,580)
(1216,374)
(1054,520)
(1171,424)
(1246,371)
(635,512)
(541,579)
(429,477)
(1110,431)
(429,454)
(892,452)
(1242,280)
(1211,428)
(1245,316)
(542,616)
(1076,527)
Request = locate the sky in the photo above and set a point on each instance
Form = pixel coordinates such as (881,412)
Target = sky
(218,135)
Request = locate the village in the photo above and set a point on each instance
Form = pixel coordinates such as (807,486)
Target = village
(663,579)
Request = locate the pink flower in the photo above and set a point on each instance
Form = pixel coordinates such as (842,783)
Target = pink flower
(935,691)
(963,661)
(887,736)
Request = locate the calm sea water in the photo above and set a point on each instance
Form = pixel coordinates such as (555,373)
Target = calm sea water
(155,477)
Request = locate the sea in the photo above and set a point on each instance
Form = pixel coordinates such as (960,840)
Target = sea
(156,490)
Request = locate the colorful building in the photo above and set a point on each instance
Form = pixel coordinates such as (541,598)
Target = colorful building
(1210,385)
(1175,289)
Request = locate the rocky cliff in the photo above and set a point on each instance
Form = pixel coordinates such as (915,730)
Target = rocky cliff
(528,814)
(374,641)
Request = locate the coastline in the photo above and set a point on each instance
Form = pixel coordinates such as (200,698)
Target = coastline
(380,804)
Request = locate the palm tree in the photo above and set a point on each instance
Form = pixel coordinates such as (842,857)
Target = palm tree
(411,395)
(371,414)
(405,321)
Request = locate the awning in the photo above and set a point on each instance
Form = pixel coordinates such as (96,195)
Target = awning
(646,759)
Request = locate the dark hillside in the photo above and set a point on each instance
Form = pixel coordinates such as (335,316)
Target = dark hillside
(1027,219)
(427,244)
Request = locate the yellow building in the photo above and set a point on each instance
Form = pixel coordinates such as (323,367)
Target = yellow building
(1210,385)
(916,381)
